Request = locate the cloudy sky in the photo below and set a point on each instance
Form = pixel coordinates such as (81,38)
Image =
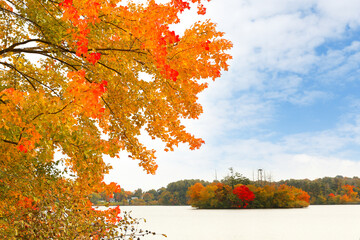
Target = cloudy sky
(290,103)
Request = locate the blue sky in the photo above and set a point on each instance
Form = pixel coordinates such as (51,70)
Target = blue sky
(290,103)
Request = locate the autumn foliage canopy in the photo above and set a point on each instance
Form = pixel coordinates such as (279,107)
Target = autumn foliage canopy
(219,195)
(86,78)
(347,195)
(244,194)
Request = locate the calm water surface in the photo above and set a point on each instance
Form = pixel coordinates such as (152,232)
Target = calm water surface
(340,222)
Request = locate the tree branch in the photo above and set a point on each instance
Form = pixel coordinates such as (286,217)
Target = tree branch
(33,49)
(22,74)
(120,50)
(17,44)
(73,66)
(24,18)
(28,50)
(51,14)
(110,68)
(180,52)
(56,112)
(11,142)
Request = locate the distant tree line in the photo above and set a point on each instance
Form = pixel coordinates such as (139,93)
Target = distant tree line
(174,193)
(327,190)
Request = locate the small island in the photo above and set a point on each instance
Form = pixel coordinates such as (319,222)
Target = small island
(220,196)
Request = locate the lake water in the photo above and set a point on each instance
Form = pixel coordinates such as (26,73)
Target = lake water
(335,222)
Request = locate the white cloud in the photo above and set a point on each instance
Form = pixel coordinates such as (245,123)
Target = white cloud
(282,35)
(302,166)
(308,97)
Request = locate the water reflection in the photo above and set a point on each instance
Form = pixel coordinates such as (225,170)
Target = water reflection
(336,222)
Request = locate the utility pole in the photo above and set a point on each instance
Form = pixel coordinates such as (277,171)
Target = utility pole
(260,176)
(264,177)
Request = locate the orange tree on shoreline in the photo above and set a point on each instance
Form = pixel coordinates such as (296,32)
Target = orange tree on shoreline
(219,195)
(71,73)
(347,195)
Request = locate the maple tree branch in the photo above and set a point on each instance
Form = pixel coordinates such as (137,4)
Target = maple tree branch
(22,130)
(28,50)
(73,66)
(177,90)
(120,50)
(180,52)
(56,112)
(11,2)
(56,46)
(122,29)
(17,44)
(112,112)
(118,120)
(54,2)
(35,50)
(24,18)
(132,43)
(138,61)
(116,26)
(21,73)
(63,50)
(51,14)
(11,142)
(110,68)
(27,78)
(62,109)
(130,141)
